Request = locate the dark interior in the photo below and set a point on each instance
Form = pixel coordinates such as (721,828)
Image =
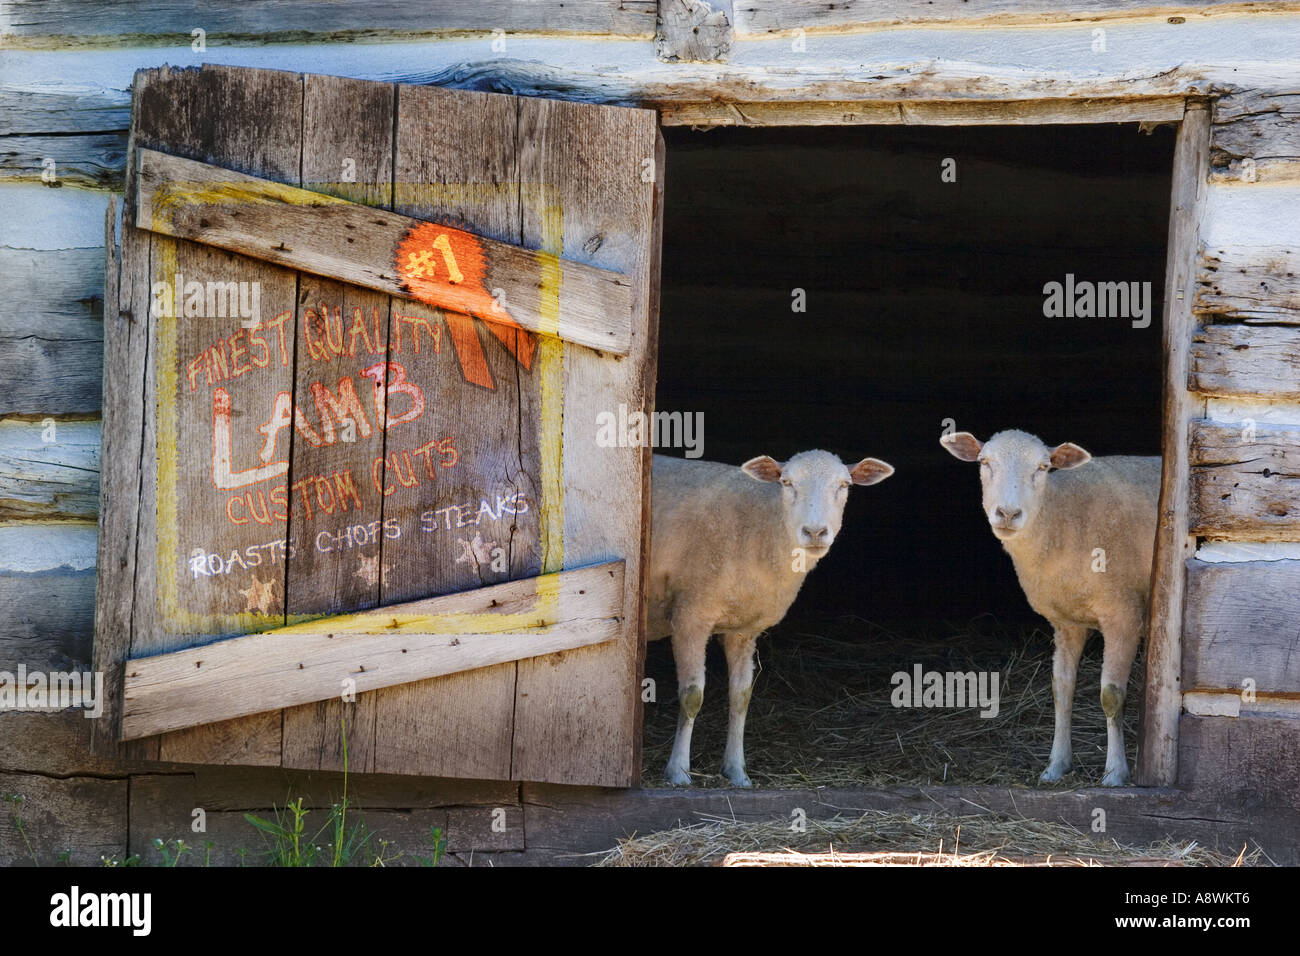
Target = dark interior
(924,302)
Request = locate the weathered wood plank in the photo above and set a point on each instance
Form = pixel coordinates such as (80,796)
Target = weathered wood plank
(48,618)
(573,820)
(1250,284)
(1246,761)
(772,16)
(125,451)
(67,22)
(693,30)
(1245,481)
(394,254)
(89,161)
(611,211)
(1157,758)
(232,788)
(57,291)
(252,741)
(456,153)
(1256,137)
(86,90)
(51,333)
(84,817)
(235,118)
(1242,624)
(380,648)
(1217,444)
(54,743)
(1156,109)
(1246,361)
(347,132)
(49,469)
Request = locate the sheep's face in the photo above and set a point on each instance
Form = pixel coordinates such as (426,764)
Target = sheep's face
(1013,474)
(814,490)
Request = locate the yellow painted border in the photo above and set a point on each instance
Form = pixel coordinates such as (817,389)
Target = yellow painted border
(542,200)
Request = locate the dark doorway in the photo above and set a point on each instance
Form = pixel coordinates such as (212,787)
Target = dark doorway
(924,303)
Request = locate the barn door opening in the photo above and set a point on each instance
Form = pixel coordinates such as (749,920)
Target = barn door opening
(353,487)
(882,299)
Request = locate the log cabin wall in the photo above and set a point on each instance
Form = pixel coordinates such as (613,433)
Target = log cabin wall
(65,99)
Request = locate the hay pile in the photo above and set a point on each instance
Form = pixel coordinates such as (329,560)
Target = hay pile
(821,713)
(901,839)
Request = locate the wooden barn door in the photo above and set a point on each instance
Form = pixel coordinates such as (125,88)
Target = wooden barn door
(352,483)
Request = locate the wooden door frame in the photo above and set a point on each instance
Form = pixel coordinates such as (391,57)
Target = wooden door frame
(1157,756)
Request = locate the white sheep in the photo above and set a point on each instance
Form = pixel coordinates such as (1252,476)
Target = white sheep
(1081,542)
(729,549)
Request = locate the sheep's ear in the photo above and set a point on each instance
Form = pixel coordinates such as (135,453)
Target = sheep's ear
(962,445)
(870,471)
(1069,455)
(762,468)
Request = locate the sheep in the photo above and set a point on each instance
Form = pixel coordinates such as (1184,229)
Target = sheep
(1081,541)
(729,549)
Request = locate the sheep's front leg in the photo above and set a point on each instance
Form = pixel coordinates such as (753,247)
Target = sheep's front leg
(1122,635)
(1070,639)
(740,681)
(690,642)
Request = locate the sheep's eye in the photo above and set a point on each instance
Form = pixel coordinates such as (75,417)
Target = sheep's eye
(1044,466)
(787,482)
(843,485)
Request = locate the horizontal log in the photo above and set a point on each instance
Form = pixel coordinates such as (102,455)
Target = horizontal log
(55,292)
(378,648)
(49,469)
(381,250)
(87,91)
(1275,447)
(48,620)
(83,818)
(63,23)
(91,161)
(1245,481)
(772,16)
(1240,759)
(1155,109)
(1255,136)
(1249,283)
(51,333)
(1242,623)
(1246,361)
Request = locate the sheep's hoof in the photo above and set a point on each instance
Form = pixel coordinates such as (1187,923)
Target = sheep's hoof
(1054,773)
(737,776)
(677,777)
(1116,778)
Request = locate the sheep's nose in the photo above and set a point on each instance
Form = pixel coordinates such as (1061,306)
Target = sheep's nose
(816,533)
(1009,514)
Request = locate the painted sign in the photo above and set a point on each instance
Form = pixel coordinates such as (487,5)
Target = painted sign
(331,448)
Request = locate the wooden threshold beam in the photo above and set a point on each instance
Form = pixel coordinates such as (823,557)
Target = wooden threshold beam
(435,264)
(1146,109)
(378,648)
